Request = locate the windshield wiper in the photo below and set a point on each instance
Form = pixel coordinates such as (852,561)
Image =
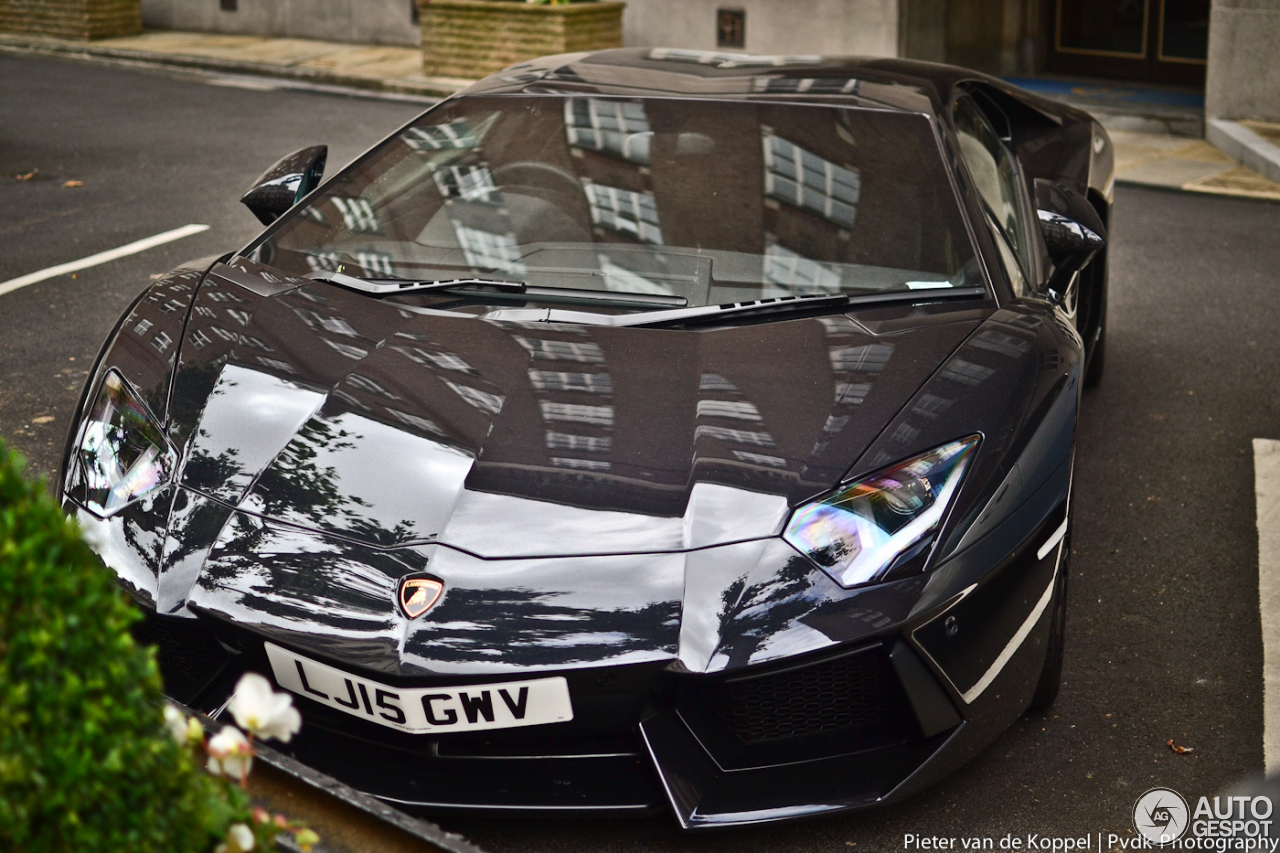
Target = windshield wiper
(385,286)
(784,306)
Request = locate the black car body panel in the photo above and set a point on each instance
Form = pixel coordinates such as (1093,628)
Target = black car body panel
(331,444)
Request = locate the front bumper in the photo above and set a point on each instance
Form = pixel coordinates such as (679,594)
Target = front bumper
(928,675)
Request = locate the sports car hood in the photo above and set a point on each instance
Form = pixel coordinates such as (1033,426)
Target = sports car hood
(336,412)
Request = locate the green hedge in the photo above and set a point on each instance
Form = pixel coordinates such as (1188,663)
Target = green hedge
(85,764)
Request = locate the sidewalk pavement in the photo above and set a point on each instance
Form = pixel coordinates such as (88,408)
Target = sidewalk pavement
(1178,163)
(378,68)
(1152,129)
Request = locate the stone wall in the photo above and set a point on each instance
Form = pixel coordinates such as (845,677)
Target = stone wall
(866,27)
(474,38)
(1243,76)
(392,22)
(71,19)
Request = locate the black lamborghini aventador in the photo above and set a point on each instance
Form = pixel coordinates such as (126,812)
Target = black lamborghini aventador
(635,430)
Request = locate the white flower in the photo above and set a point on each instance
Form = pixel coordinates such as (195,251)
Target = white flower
(230,753)
(239,838)
(176,724)
(261,711)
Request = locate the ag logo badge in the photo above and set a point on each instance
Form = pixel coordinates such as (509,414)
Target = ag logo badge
(1161,816)
(418,594)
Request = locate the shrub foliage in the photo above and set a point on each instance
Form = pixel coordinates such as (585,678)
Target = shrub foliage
(85,763)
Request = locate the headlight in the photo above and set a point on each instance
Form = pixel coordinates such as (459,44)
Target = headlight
(124,455)
(858,533)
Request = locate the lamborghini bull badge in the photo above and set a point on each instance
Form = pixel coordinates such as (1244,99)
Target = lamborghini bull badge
(418,594)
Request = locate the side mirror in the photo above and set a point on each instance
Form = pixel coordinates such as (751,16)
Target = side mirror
(1073,233)
(284,184)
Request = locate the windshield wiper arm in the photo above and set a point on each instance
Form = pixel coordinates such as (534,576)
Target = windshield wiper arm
(384,286)
(784,306)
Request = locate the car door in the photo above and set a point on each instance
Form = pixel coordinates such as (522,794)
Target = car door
(1009,213)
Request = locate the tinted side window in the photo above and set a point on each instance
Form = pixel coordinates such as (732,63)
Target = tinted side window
(993,173)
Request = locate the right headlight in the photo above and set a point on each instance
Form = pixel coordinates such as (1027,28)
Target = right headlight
(858,533)
(123,453)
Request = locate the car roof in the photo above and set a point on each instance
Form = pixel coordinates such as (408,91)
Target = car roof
(897,85)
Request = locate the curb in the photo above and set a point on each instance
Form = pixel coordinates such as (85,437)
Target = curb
(1246,146)
(429,87)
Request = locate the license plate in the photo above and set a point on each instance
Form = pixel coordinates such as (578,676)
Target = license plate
(422,710)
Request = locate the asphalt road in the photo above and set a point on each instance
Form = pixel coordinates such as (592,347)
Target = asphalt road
(1164,627)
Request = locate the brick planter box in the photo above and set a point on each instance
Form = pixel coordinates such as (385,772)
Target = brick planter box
(475,38)
(71,19)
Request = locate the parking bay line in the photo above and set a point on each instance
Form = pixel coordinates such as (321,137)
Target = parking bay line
(102,257)
(1266,468)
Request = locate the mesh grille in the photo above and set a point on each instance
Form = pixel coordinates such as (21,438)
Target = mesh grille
(187,650)
(847,692)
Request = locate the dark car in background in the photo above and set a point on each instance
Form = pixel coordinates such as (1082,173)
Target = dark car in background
(635,430)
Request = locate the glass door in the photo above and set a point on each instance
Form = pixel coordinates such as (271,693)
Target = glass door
(1161,41)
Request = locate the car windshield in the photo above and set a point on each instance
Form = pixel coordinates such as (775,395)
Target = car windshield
(705,202)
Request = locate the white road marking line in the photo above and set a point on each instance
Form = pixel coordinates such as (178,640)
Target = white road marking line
(1266,472)
(102,257)
(1052,540)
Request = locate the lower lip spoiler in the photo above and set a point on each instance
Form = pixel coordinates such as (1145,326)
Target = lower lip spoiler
(327,787)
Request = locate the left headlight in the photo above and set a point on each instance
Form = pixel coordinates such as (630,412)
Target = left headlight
(867,527)
(123,453)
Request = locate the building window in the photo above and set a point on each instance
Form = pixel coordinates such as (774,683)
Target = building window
(631,213)
(620,128)
(484,401)
(967,373)
(489,251)
(869,358)
(553,380)
(199,339)
(161,342)
(852,393)
(143,327)
(587,443)
(575,413)
(357,215)
(581,464)
(736,436)
(438,137)
(346,349)
(276,364)
(375,262)
(369,386)
(415,421)
(805,180)
(716,382)
(796,273)
(585,352)
(728,409)
(448,361)
(760,459)
(813,85)
(468,183)
(731,28)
